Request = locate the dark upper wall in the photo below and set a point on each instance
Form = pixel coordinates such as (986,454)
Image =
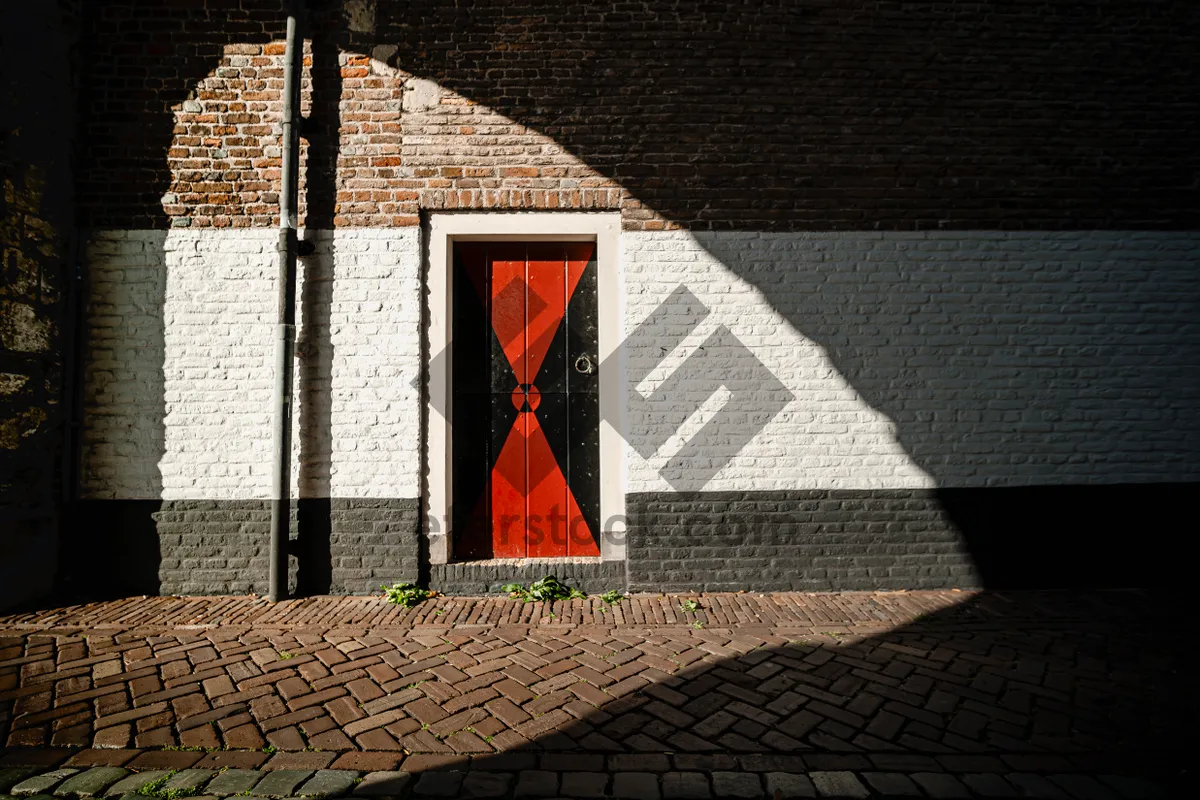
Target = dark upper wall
(36,218)
(846,115)
(143,60)
(764,115)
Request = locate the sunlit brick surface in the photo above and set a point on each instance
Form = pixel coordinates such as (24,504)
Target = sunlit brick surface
(923,674)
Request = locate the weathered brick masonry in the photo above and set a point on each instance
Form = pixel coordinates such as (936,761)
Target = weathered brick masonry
(37,218)
(964,239)
(782,116)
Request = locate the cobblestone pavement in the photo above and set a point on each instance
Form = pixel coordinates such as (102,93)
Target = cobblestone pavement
(129,775)
(937,694)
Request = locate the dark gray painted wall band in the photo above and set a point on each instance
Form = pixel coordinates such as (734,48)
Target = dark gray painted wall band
(339,546)
(1074,536)
(1126,535)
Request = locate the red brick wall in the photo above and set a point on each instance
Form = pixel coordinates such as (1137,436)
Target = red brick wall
(777,115)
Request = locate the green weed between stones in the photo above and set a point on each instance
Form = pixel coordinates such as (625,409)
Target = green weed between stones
(179,792)
(151,789)
(546,590)
(406,594)
(550,588)
(688,606)
(155,787)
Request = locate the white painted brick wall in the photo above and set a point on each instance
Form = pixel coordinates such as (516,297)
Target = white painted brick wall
(915,360)
(179,365)
(948,359)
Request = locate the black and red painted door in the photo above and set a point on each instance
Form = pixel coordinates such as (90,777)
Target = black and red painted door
(526,418)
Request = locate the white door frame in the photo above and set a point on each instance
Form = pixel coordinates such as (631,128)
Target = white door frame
(605,230)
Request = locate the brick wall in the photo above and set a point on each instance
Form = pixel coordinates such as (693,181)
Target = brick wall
(962,242)
(1014,537)
(840,115)
(178,372)
(958,408)
(126,546)
(916,360)
(181,329)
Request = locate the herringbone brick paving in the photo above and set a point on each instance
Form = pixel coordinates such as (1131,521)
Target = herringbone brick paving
(785,608)
(902,675)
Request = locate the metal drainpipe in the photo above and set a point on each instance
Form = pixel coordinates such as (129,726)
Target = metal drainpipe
(285,343)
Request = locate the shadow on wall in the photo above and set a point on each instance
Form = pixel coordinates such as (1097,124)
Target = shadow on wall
(37,209)
(173,385)
(315,546)
(849,116)
(1008,363)
(1002,358)
(845,116)
(115,549)
(1045,382)
(108,548)
(112,549)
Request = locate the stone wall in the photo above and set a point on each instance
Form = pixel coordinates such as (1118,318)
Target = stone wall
(37,218)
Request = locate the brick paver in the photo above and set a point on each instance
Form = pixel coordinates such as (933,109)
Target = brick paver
(806,692)
(488,780)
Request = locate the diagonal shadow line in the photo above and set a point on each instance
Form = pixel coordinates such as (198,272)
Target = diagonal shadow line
(1044,683)
(1133,195)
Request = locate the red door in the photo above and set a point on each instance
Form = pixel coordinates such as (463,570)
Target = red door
(526,411)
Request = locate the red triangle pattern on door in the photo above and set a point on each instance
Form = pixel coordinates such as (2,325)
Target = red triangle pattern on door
(533,512)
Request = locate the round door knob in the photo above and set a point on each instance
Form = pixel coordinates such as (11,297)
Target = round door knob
(583,365)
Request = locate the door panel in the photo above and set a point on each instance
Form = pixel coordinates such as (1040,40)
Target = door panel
(509,485)
(583,455)
(547,487)
(471,379)
(525,413)
(547,305)
(583,383)
(508,314)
